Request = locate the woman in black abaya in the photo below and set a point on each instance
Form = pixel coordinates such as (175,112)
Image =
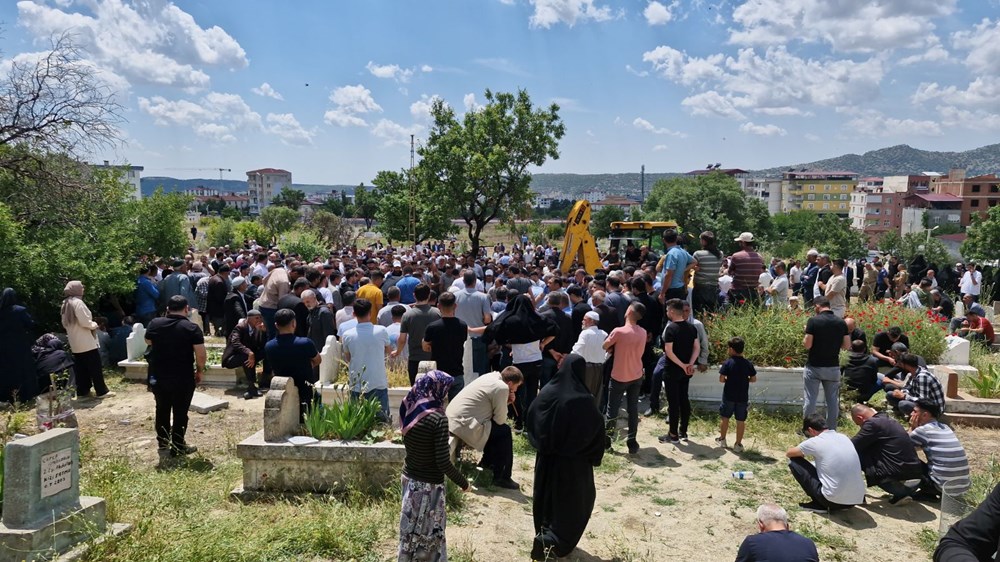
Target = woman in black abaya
(17,377)
(567,432)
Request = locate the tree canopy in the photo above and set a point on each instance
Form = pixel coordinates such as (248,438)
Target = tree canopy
(913,244)
(983,242)
(392,192)
(289,197)
(479,164)
(600,222)
(365,205)
(712,202)
(792,233)
(277,220)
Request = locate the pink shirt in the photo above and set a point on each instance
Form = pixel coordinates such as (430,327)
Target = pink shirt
(629,341)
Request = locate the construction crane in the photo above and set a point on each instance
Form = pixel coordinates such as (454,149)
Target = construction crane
(220,170)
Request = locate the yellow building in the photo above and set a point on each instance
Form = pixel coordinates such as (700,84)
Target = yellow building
(819,191)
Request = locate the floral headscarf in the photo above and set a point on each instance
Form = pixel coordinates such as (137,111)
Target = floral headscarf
(426,396)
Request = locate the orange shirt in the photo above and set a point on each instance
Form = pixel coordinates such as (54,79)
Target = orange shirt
(373,294)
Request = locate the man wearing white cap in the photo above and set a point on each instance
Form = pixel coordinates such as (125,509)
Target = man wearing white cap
(745,267)
(590,346)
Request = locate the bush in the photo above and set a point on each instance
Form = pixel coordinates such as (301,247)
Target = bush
(305,244)
(774,337)
(221,232)
(252,230)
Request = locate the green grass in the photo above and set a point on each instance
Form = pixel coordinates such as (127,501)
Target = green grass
(665,502)
(833,544)
(927,538)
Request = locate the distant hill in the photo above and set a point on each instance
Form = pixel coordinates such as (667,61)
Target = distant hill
(902,160)
(571,186)
(151,183)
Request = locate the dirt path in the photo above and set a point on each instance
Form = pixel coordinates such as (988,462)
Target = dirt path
(670,502)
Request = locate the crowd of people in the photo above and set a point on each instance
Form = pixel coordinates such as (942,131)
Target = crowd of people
(558,356)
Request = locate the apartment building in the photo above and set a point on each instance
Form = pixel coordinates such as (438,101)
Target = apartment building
(977,193)
(819,191)
(263,184)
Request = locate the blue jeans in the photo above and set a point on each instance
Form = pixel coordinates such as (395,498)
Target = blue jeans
(456,387)
(548,369)
(829,378)
(380,394)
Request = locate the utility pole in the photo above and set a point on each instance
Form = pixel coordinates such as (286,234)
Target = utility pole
(413,197)
(642,183)
(220,178)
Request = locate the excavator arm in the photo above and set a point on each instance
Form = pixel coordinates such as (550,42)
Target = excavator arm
(579,245)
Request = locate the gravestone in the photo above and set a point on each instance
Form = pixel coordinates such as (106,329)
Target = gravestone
(43,512)
(281,410)
(135,343)
(957,352)
(330,364)
(205,403)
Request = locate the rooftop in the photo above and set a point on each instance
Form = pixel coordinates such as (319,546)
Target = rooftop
(727,171)
(936,197)
(269,171)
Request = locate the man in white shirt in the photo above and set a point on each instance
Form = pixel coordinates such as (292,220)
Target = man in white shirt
(778,289)
(971,283)
(835,481)
(590,346)
(365,348)
(836,288)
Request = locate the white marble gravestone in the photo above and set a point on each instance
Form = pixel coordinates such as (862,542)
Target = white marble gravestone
(135,344)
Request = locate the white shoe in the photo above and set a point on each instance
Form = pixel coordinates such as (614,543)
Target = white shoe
(720,442)
(738,448)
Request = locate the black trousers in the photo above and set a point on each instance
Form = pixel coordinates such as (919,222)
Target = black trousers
(173,399)
(807,477)
(89,372)
(678,404)
(528,391)
(498,454)
(411,369)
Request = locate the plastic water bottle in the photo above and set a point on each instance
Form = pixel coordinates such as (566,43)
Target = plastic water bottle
(743,475)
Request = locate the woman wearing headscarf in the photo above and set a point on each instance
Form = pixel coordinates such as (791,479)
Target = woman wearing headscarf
(17,378)
(425,436)
(567,432)
(705,295)
(81,331)
(51,358)
(527,332)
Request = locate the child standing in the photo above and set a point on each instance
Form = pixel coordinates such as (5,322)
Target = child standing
(736,374)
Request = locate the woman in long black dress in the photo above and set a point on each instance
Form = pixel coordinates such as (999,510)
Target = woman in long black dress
(567,432)
(17,377)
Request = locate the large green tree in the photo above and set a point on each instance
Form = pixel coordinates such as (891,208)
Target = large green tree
(793,232)
(600,222)
(395,192)
(479,164)
(277,220)
(289,197)
(157,223)
(983,242)
(365,205)
(712,202)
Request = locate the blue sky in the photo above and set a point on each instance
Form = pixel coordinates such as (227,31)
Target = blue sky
(332,90)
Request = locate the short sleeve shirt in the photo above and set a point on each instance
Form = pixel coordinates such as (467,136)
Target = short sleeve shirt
(290,356)
(447,338)
(828,333)
(682,335)
(414,323)
(366,343)
(677,261)
(629,341)
(838,466)
(173,340)
(737,371)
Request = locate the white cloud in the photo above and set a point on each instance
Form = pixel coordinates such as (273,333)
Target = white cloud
(642,124)
(811,137)
(469,101)
(660,148)
(846,25)
(393,133)
(570,12)
(426,68)
(287,128)
(874,124)
(658,14)
(501,64)
(421,109)
(969,119)
(782,111)
(349,103)
(216,116)
(267,91)
(775,79)
(983,44)
(763,130)
(934,53)
(392,71)
(981,93)
(639,73)
(712,104)
(144,42)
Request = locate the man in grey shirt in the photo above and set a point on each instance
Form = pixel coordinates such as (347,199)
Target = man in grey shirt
(518,282)
(473,308)
(413,327)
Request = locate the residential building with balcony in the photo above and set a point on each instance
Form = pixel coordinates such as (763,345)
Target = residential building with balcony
(263,184)
(131,175)
(877,204)
(922,211)
(819,191)
(977,193)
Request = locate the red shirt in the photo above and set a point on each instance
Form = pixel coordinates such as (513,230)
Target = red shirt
(746,267)
(628,342)
(987,327)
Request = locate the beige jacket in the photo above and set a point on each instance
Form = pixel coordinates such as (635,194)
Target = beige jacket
(477,407)
(82,334)
(276,285)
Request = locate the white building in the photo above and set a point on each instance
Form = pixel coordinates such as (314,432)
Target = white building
(767,190)
(132,175)
(263,184)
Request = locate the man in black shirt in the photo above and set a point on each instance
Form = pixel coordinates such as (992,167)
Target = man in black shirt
(825,336)
(977,537)
(176,365)
(580,307)
(562,344)
(882,344)
(444,339)
(293,302)
(887,455)
(652,322)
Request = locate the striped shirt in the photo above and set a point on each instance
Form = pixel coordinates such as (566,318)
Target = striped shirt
(946,460)
(708,269)
(427,455)
(745,267)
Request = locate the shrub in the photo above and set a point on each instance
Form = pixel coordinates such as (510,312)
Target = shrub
(305,244)
(774,337)
(251,230)
(221,232)
(987,384)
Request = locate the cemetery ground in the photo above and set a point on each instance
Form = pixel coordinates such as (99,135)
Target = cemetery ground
(668,502)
